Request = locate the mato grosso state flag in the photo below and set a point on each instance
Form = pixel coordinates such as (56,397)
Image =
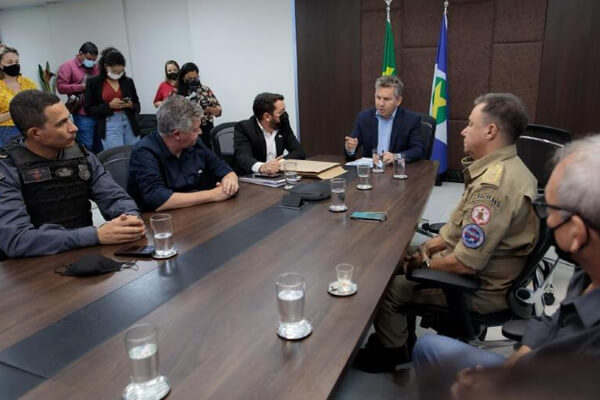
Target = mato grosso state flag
(389,57)
(439,100)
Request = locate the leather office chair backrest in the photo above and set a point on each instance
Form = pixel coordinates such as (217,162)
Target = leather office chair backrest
(222,136)
(147,123)
(536,147)
(116,161)
(428,125)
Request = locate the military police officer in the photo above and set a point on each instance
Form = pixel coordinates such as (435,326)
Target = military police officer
(47,182)
(489,234)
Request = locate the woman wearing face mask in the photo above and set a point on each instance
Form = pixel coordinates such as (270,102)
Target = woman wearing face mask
(188,85)
(111,98)
(167,87)
(11,83)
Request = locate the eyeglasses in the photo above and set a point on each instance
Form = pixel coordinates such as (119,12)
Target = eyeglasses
(541,208)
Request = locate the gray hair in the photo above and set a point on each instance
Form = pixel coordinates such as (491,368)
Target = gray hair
(579,187)
(392,81)
(177,113)
(507,111)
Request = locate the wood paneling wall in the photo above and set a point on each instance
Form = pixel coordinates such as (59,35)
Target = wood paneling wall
(328,46)
(569,93)
(544,51)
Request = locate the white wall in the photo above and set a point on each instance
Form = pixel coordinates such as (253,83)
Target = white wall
(239,50)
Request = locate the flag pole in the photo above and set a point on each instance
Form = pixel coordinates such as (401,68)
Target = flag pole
(387,9)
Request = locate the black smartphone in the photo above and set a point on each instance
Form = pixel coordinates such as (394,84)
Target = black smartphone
(135,251)
(126,99)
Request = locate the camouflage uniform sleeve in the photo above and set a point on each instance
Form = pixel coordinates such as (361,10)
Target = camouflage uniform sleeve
(485,220)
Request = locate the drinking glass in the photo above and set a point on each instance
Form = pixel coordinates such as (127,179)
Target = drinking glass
(363,172)
(399,166)
(344,276)
(291,288)
(290,172)
(377,161)
(141,342)
(338,195)
(162,231)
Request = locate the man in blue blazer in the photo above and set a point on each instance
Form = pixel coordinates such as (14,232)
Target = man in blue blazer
(387,127)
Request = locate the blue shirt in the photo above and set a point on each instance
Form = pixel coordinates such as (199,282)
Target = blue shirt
(155,173)
(18,236)
(384,131)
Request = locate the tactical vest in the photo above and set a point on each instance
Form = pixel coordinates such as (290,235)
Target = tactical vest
(55,191)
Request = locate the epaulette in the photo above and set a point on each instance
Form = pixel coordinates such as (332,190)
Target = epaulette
(493,175)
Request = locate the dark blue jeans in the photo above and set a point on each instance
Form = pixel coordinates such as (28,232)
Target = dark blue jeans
(86,126)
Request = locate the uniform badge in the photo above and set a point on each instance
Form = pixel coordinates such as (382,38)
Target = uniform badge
(34,175)
(84,172)
(481,214)
(63,172)
(3,155)
(200,171)
(472,236)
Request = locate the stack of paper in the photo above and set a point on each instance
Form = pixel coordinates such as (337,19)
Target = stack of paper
(265,181)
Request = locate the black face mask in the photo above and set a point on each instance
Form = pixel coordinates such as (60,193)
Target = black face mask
(12,70)
(92,264)
(172,76)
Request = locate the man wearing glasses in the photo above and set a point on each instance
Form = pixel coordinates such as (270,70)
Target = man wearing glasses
(572,213)
(489,234)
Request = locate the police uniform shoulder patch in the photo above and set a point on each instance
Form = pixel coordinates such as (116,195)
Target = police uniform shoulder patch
(493,175)
(481,214)
(472,236)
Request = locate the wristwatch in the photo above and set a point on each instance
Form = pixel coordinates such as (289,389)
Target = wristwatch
(427,264)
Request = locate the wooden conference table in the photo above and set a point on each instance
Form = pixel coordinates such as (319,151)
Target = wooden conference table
(214,303)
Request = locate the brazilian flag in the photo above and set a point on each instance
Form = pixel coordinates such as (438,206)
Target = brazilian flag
(389,57)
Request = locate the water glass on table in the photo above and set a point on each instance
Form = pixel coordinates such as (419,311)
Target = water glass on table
(141,342)
(338,195)
(399,166)
(162,233)
(377,161)
(290,172)
(291,289)
(363,172)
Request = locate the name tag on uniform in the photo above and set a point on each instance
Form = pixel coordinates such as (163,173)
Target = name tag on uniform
(36,175)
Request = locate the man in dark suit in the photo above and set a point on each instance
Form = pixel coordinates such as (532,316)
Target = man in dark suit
(259,142)
(387,127)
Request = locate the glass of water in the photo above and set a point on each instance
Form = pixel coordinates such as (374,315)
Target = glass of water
(377,161)
(363,172)
(162,231)
(291,289)
(344,276)
(290,172)
(338,195)
(399,166)
(141,342)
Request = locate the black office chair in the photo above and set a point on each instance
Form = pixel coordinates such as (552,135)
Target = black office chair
(537,146)
(456,320)
(116,161)
(147,123)
(428,125)
(222,137)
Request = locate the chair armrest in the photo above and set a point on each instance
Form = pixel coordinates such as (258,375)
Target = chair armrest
(443,279)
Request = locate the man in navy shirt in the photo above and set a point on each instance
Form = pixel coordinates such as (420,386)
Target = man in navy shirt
(172,168)
(387,127)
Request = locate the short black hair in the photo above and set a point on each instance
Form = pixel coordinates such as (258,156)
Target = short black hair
(507,111)
(265,103)
(27,109)
(110,56)
(89,48)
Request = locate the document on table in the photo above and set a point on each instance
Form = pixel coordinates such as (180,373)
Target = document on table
(361,161)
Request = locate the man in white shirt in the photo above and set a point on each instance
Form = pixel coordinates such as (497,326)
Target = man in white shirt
(259,142)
